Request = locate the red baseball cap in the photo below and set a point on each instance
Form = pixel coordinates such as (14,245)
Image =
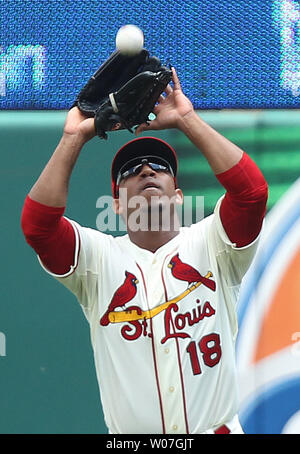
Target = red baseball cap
(139,148)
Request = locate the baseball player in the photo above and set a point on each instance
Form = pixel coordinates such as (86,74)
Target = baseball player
(161,304)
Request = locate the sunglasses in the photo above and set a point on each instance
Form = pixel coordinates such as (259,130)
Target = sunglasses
(159,166)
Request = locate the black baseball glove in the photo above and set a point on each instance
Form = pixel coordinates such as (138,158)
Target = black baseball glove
(123,91)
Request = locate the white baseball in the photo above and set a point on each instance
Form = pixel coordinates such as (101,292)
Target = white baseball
(130,39)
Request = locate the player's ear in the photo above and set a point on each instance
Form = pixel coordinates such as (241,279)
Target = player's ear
(117,206)
(120,204)
(179,196)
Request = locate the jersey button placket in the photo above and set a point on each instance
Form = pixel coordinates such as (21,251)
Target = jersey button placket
(166,358)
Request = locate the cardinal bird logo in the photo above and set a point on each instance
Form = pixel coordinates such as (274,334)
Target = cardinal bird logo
(125,293)
(185,272)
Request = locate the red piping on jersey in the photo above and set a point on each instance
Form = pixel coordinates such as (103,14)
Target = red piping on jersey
(76,255)
(177,348)
(154,356)
(162,275)
(76,259)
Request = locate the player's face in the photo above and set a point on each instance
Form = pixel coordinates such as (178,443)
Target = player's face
(134,167)
(153,186)
(149,182)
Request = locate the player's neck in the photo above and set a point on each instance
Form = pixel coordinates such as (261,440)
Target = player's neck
(152,228)
(151,240)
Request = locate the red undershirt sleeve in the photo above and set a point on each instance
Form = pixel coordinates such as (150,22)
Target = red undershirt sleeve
(50,234)
(244,205)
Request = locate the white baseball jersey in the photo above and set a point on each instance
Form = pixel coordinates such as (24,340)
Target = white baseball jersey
(163,327)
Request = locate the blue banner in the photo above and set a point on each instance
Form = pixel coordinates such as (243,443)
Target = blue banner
(228,53)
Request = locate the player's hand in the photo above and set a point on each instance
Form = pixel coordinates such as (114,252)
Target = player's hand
(77,124)
(170,110)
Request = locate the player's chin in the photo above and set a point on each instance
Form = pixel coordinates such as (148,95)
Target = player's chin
(163,203)
(151,191)
(150,200)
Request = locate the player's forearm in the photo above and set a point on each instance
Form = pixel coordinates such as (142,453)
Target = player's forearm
(51,188)
(220,153)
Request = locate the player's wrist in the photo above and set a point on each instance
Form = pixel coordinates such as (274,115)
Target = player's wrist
(187,121)
(73,141)
(75,138)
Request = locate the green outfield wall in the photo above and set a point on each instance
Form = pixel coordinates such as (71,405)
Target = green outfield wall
(47,378)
